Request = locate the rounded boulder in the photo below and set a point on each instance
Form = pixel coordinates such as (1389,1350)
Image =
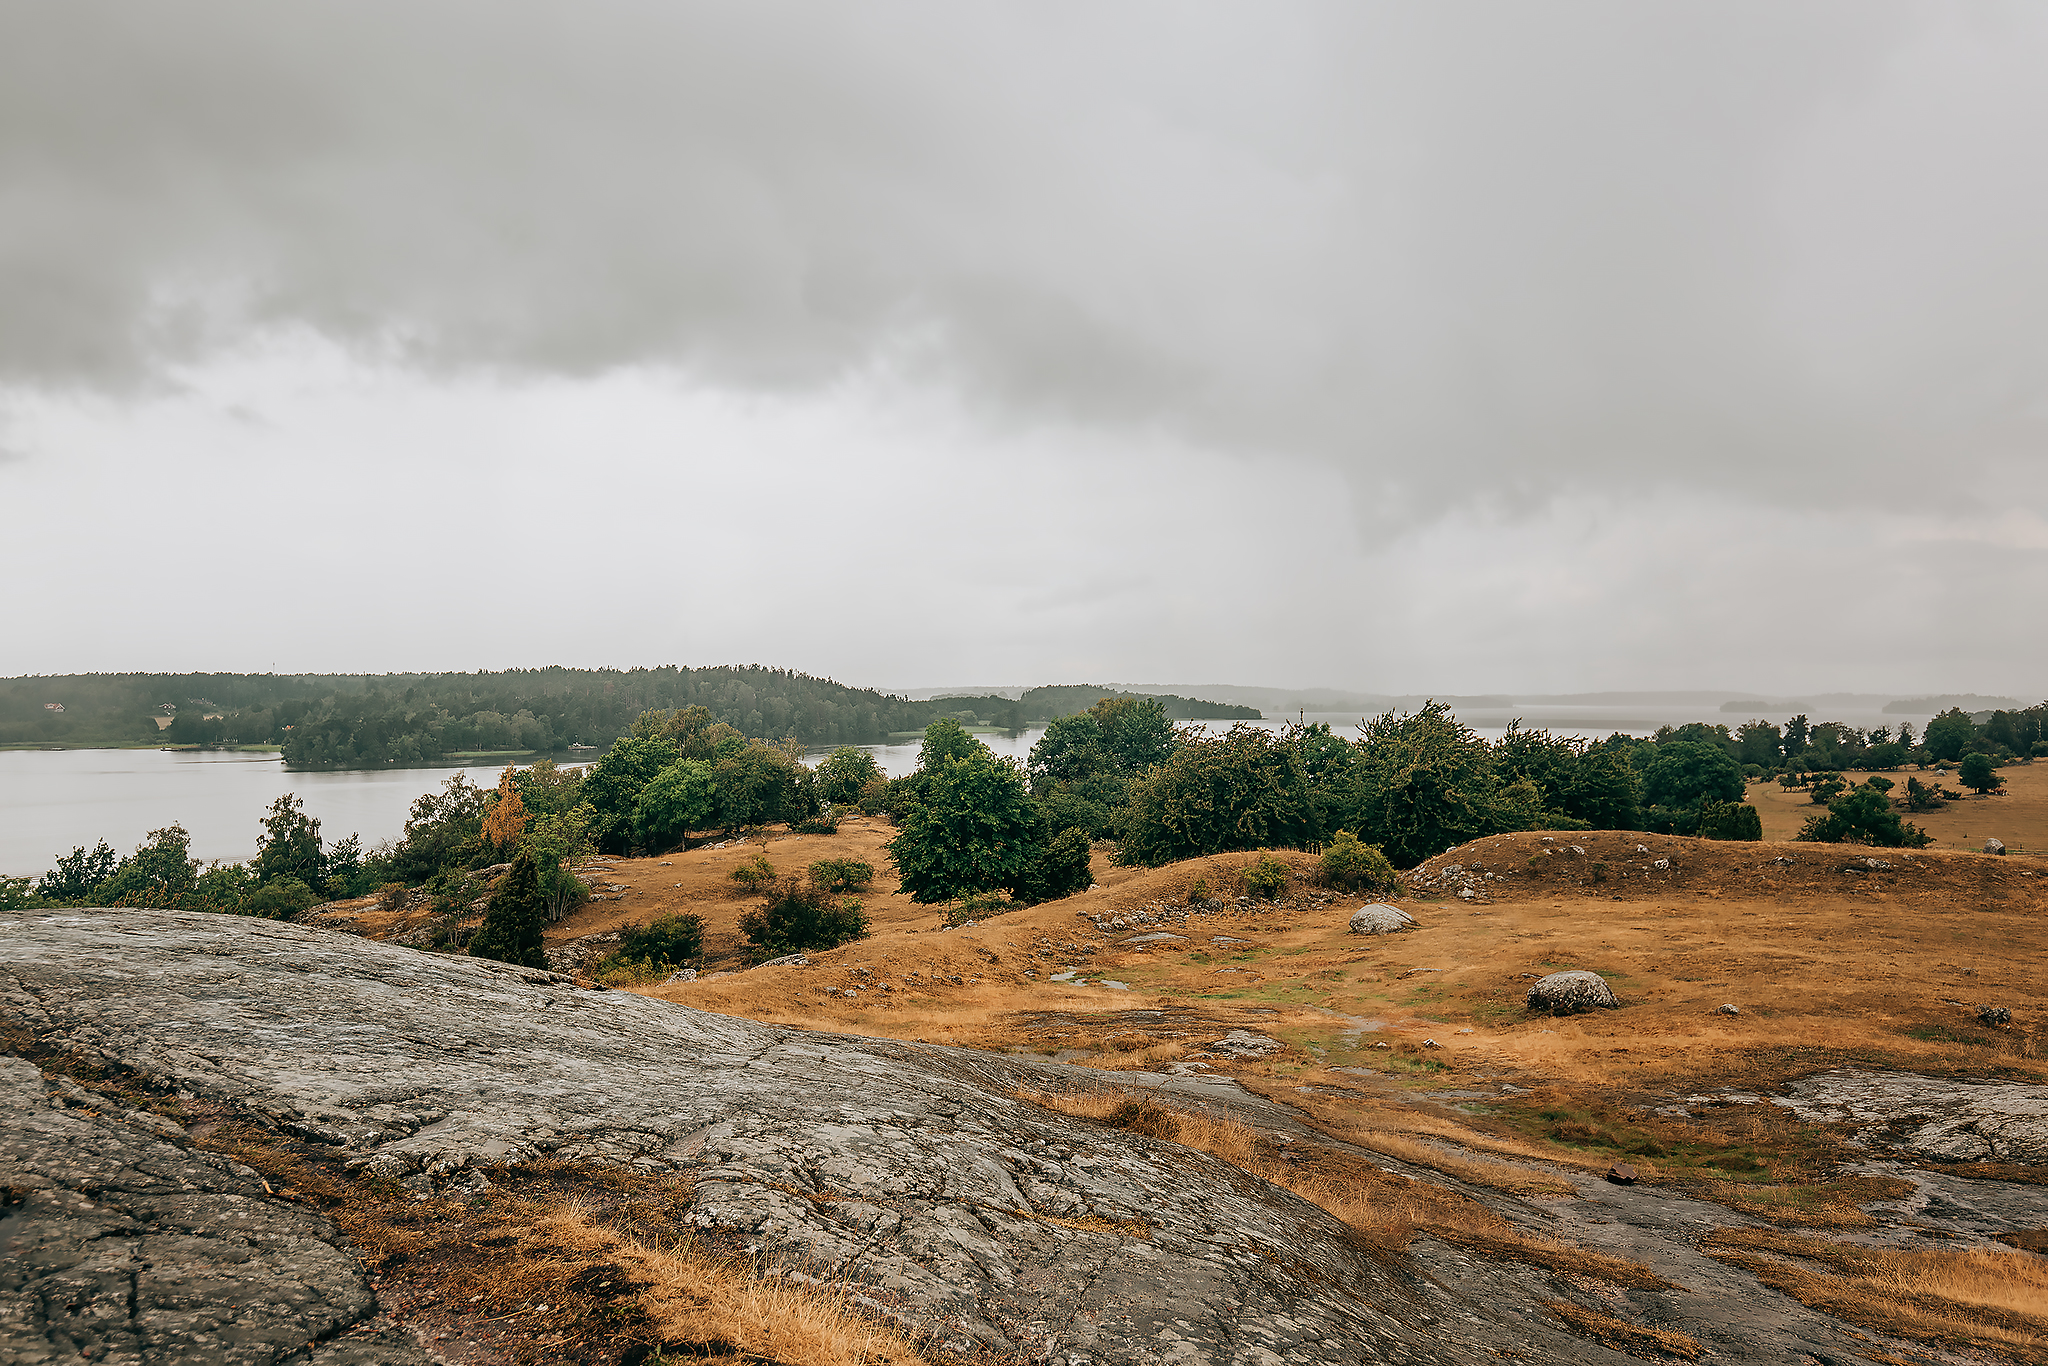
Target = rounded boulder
(1380,918)
(1568,993)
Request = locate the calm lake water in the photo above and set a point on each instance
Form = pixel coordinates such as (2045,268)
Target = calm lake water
(54,800)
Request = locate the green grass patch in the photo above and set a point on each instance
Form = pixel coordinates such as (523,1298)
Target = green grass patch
(1934,1033)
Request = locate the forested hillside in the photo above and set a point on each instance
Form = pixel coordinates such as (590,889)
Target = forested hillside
(348,721)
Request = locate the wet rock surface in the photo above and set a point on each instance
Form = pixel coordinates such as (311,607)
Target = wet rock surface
(912,1169)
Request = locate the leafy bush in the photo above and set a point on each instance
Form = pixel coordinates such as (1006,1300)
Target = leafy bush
(2040,749)
(512,924)
(825,824)
(845,773)
(874,797)
(1267,878)
(279,899)
(1864,815)
(1247,789)
(1980,774)
(1921,797)
(1198,895)
(1352,864)
(836,875)
(1062,869)
(756,873)
(671,941)
(945,739)
(1730,821)
(1826,787)
(800,918)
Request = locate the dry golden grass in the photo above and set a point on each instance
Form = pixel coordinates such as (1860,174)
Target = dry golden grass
(1501,1176)
(1388,1210)
(1969,1297)
(1623,1336)
(712,1302)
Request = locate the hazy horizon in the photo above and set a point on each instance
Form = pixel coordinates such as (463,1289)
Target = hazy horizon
(1368,347)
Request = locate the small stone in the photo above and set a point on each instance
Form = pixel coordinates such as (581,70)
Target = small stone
(1994,1015)
(685,975)
(1431,1043)
(1662,865)
(1729,1009)
(1994,846)
(1622,1173)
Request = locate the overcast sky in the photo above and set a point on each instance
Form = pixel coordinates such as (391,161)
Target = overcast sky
(1440,346)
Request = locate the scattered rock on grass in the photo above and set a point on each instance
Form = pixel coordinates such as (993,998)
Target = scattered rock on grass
(1622,1173)
(1994,1015)
(1994,846)
(1568,993)
(1380,918)
(1729,1009)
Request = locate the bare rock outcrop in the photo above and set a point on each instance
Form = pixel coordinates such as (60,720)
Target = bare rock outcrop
(998,1226)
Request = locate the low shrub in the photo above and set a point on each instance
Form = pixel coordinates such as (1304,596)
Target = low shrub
(823,824)
(1062,868)
(279,899)
(800,918)
(1198,895)
(1351,864)
(756,873)
(1267,878)
(836,875)
(672,940)
(1732,820)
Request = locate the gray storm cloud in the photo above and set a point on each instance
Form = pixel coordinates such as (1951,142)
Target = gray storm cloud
(1459,252)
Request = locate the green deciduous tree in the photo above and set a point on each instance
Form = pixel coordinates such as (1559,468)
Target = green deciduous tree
(973,829)
(158,873)
(759,785)
(946,739)
(289,846)
(511,932)
(1948,734)
(613,784)
(1979,773)
(844,772)
(681,798)
(1682,773)
(443,828)
(79,874)
(1431,783)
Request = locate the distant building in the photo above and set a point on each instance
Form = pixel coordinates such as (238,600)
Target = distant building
(53,706)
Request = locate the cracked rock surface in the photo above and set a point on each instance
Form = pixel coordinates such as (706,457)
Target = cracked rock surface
(985,1221)
(116,1244)
(1946,1120)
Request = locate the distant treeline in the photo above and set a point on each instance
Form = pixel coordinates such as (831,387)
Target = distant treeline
(1040,705)
(364,720)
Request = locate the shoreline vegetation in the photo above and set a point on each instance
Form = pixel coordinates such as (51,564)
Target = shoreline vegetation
(980,835)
